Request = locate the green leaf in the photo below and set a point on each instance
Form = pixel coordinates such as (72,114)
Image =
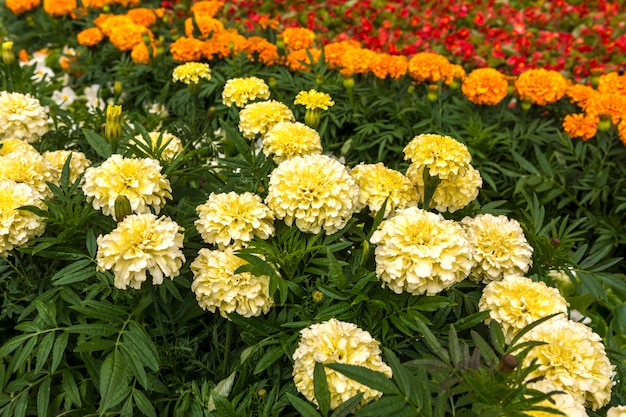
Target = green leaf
(68,383)
(320,387)
(43,350)
(98,143)
(401,376)
(75,272)
(304,408)
(432,342)
(271,355)
(485,350)
(22,355)
(432,303)
(142,344)
(366,376)
(471,320)
(112,381)
(335,272)
(21,404)
(93,329)
(347,407)
(14,343)
(43,398)
(144,405)
(386,406)
(135,364)
(223,407)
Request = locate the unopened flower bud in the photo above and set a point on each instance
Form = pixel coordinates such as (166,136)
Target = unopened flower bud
(122,208)
(596,73)
(118,88)
(555,241)
(113,126)
(605,122)
(272,82)
(433,93)
(262,393)
(348,83)
(319,79)
(411,89)
(318,297)
(312,118)
(507,364)
(8,56)
(526,104)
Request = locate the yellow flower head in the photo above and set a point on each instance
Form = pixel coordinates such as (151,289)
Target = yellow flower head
(22,6)
(443,155)
(428,67)
(574,359)
(217,286)
(23,117)
(17,227)
(314,100)
(581,125)
(191,72)
(286,140)
(240,91)
(541,86)
(234,219)
(335,341)
(616,411)
(420,252)
(78,164)
(315,192)
(516,301)
(562,401)
(486,86)
(11,145)
(499,247)
(378,183)
(298,38)
(141,243)
(138,179)
(257,118)
(171,145)
(28,168)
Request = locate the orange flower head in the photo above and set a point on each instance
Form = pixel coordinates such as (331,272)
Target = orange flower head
(612,83)
(296,38)
(108,22)
(296,60)
(125,37)
(455,75)
(207,8)
(429,67)
(95,4)
(385,65)
(261,50)
(578,125)
(224,44)
(207,25)
(186,49)
(486,86)
(266,22)
(580,93)
(58,8)
(609,104)
(140,54)
(142,16)
(541,86)
(356,60)
(125,3)
(22,6)
(89,36)
(621,131)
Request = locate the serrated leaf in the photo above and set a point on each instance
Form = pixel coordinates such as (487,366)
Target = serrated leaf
(432,303)
(485,350)
(93,329)
(347,407)
(304,408)
(320,388)
(112,382)
(400,374)
(98,143)
(432,342)
(14,343)
(43,398)
(68,383)
(223,407)
(144,405)
(366,376)
(386,406)
(43,350)
(137,337)
(471,320)
(22,355)
(135,364)
(269,357)
(75,272)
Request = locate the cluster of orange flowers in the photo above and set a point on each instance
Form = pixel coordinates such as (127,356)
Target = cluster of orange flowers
(59,8)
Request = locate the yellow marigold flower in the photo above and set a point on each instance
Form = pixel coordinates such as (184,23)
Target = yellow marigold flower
(186,49)
(224,44)
(428,67)
(485,86)
(207,8)
(22,6)
(191,72)
(23,117)
(562,401)
(89,36)
(140,54)
(217,286)
(170,146)
(356,61)
(17,227)
(315,192)
(240,91)
(378,183)
(261,50)
(516,301)
(286,140)
(313,99)
(613,83)
(141,244)
(28,168)
(613,105)
(581,125)
(385,65)
(125,37)
(335,341)
(258,118)
(616,411)
(78,164)
(298,59)
(206,24)
(499,247)
(298,38)
(541,86)
(443,155)
(58,8)
(142,16)
(139,179)
(579,94)
(573,358)
(234,219)
(15,145)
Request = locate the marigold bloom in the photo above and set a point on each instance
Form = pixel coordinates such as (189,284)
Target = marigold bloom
(258,118)
(335,341)
(78,164)
(23,117)
(240,91)
(139,179)
(224,44)
(207,8)
(142,16)
(428,67)
(541,86)
(313,99)
(485,86)
(141,244)
(574,359)
(29,168)
(562,401)
(315,192)
(17,227)
(499,247)
(621,131)
(356,61)
(125,37)
(613,105)
(170,146)
(191,72)
(385,65)
(617,411)
(217,286)
(186,49)
(261,50)
(22,6)
(296,38)
(140,54)
(286,140)
(516,301)
(443,155)
(15,145)
(206,24)
(580,93)
(89,36)
(378,183)
(108,22)
(613,83)
(58,8)
(334,52)
(298,60)
(581,125)
(454,76)
(234,219)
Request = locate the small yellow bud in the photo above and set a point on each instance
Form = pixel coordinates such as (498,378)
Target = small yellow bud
(318,297)
(526,104)
(113,126)
(8,56)
(433,93)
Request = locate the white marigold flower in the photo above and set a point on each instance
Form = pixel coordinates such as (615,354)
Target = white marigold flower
(191,72)
(257,118)
(234,218)
(29,168)
(240,91)
(377,182)
(443,155)
(517,301)
(499,247)
(315,192)
(218,287)
(574,359)
(335,341)
(78,164)
(22,117)
(171,144)
(563,401)
(286,140)
(141,243)
(139,179)
(17,227)
(420,252)
(15,145)
(453,193)
(617,411)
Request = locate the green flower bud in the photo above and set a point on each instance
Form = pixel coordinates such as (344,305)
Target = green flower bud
(122,208)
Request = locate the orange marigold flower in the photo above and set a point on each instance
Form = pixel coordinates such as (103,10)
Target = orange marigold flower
(224,44)
(612,83)
(125,37)
(23,55)
(298,38)
(207,8)
(334,51)
(428,67)
(96,4)
(608,104)
(22,6)
(140,53)
(58,8)
(621,131)
(578,125)
(385,65)
(296,59)
(142,16)
(266,22)
(108,22)
(455,74)
(186,49)
(485,86)
(206,24)
(261,50)
(125,3)
(541,86)
(579,93)
(356,61)
(89,36)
